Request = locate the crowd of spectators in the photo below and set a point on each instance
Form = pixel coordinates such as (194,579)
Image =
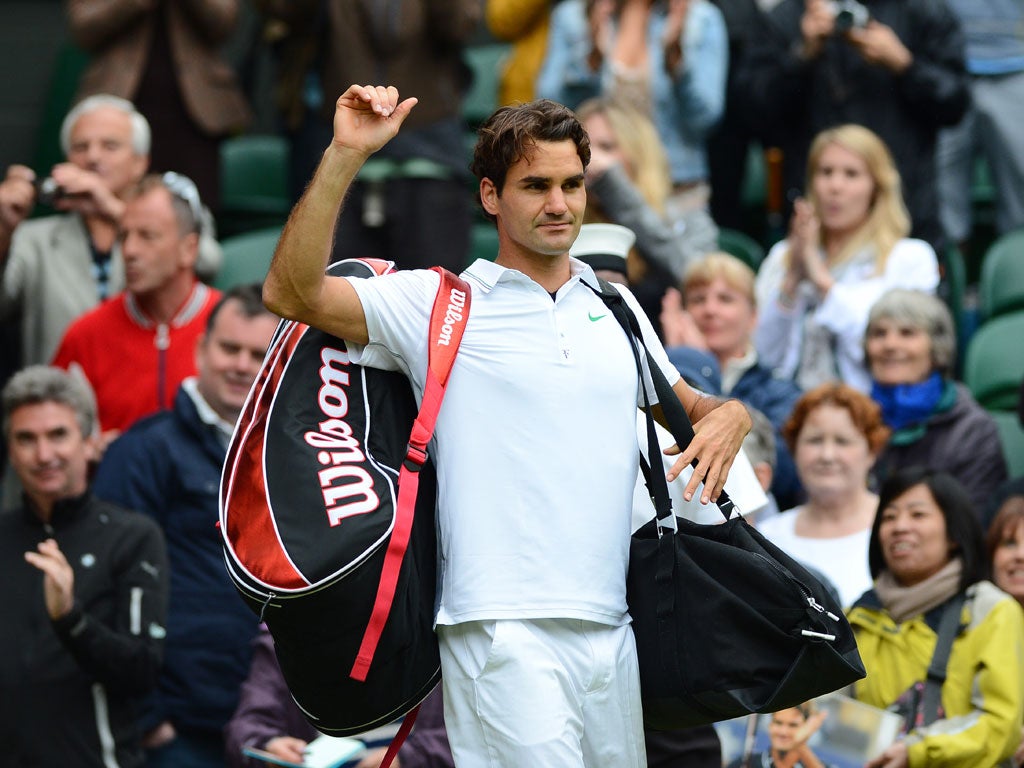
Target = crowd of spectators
(842,336)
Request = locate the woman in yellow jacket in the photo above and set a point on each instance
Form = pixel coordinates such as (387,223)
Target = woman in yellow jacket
(926,549)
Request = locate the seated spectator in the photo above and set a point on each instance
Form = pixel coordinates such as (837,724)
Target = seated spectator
(847,245)
(165,58)
(926,550)
(895,67)
(716,313)
(55,268)
(666,59)
(910,347)
(168,466)
(788,733)
(137,347)
(85,590)
(267,718)
(834,434)
(628,183)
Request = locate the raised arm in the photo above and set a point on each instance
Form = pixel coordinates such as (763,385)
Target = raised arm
(365,119)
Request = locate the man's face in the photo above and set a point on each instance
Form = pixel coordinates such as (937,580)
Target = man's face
(229,357)
(152,247)
(540,209)
(48,451)
(101,142)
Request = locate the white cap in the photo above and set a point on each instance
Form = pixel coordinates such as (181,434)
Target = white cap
(603,246)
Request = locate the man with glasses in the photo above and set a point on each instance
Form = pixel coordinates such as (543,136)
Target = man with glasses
(137,348)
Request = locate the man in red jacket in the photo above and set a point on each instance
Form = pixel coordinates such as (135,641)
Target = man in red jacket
(138,346)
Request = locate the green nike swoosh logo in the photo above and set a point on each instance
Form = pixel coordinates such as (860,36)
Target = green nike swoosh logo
(595,319)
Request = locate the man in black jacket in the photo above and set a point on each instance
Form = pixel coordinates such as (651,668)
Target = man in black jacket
(85,590)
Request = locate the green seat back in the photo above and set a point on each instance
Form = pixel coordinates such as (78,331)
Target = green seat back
(994,364)
(742,246)
(246,257)
(254,183)
(485,61)
(1001,288)
(1011,436)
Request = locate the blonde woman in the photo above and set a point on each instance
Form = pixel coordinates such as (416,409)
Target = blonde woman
(628,183)
(847,245)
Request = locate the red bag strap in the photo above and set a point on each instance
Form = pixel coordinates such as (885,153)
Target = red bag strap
(400,737)
(447,325)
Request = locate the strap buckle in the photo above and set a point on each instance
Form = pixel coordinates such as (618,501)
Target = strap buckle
(415,458)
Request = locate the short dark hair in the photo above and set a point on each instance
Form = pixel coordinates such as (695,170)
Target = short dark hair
(250,299)
(513,130)
(962,526)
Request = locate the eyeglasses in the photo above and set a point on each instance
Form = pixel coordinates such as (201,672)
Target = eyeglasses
(184,189)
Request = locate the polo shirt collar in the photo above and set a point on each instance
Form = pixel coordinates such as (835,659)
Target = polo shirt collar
(488,274)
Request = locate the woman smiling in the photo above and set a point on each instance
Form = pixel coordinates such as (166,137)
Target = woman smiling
(927,558)
(910,345)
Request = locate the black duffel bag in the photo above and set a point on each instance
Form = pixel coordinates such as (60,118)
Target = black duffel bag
(726,623)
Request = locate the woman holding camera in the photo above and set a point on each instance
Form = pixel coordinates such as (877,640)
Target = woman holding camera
(847,245)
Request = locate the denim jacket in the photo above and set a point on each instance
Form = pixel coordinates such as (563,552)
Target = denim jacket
(686,105)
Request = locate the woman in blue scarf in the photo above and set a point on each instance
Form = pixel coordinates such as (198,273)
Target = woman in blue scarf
(909,347)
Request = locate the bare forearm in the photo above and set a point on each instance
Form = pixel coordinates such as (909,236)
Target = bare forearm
(296,275)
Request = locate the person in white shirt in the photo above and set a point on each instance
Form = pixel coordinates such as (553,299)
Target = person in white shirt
(538,661)
(835,434)
(847,245)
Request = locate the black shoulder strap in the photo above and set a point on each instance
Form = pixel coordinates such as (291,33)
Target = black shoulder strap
(949,628)
(678,420)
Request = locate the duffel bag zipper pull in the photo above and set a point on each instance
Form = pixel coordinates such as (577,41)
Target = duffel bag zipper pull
(821,609)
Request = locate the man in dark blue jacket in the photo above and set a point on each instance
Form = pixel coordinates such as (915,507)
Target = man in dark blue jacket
(168,466)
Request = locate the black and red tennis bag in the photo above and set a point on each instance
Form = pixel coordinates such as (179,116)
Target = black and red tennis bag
(327,516)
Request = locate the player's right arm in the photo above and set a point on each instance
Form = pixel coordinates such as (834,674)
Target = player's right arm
(365,119)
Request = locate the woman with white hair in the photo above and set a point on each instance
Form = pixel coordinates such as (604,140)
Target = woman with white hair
(910,346)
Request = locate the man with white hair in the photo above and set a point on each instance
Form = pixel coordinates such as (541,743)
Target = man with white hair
(54,268)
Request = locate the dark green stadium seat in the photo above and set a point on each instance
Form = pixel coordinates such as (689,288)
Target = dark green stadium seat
(994,364)
(485,62)
(246,257)
(742,246)
(1011,435)
(1001,288)
(254,183)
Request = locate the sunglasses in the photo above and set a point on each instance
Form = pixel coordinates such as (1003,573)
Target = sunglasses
(184,189)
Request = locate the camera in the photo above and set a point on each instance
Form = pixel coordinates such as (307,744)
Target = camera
(48,190)
(849,15)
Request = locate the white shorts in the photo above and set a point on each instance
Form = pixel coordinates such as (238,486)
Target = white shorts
(557,693)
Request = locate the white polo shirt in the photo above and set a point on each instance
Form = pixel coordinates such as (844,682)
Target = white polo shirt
(527,529)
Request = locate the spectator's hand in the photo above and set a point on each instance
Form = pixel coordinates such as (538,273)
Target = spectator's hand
(287,748)
(894,756)
(804,238)
(85,192)
(160,736)
(374,757)
(58,579)
(601,29)
(816,25)
(878,44)
(17,196)
(1018,756)
(677,325)
(809,727)
(675,28)
(366,117)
